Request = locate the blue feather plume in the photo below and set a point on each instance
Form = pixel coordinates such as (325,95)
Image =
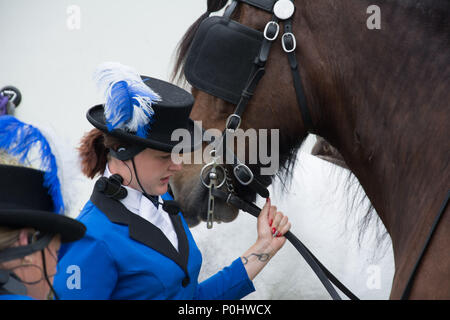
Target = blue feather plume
(128,99)
(21,140)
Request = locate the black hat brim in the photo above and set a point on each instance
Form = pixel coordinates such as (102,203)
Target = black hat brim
(156,140)
(47,222)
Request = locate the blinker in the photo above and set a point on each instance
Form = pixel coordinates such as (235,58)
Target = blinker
(221,45)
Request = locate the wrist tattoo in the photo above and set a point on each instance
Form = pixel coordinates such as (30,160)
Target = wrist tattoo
(263,257)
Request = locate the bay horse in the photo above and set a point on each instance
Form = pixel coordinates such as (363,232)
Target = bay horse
(380,96)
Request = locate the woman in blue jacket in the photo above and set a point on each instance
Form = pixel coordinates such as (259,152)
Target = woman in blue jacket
(136,245)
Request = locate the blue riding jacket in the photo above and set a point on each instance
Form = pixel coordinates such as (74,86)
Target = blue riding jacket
(123,256)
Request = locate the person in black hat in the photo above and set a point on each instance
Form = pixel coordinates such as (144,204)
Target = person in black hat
(32,224)
(137,244)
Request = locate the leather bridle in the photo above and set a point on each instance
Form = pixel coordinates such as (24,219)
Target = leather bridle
(242,172)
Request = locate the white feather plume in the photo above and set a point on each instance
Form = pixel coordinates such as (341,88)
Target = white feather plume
(128,99)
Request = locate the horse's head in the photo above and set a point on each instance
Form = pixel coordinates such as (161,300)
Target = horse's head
(273,106)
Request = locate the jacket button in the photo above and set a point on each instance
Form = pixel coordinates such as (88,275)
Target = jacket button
(185,282)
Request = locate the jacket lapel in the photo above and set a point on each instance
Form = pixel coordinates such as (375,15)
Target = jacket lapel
(145,232)
(183,244)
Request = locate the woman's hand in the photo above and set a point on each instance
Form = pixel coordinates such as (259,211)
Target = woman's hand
(272,225)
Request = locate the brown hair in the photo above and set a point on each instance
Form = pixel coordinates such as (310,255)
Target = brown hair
(94,151)
(8,237)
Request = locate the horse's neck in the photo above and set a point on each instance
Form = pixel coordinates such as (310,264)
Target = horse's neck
(383,104)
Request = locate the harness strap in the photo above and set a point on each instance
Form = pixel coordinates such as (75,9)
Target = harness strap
(255,184)
(246,95)
(238,167)
(253,80)
(266,5)
(234,120)
(324,275)
(299,90)
(410,282)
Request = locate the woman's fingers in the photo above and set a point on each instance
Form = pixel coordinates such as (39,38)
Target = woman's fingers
(277,219)
(280,224)
(271,212)
(265,210)
(283,229)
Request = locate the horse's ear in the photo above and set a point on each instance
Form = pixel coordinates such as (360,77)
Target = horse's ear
(185,43)
(216,5)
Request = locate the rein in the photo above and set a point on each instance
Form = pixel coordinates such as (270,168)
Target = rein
(324,275)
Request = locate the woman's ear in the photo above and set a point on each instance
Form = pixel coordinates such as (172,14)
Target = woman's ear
(25,237)
(121,168)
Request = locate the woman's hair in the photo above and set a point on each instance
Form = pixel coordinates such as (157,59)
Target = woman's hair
(8,237)
(94,151)
(9,160)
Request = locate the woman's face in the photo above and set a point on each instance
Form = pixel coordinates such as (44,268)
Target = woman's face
(154,169)
(41,289)
(30,269)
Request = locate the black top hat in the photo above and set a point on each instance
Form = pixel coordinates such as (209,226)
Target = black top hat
(26,202)
(32,197)
(161,107)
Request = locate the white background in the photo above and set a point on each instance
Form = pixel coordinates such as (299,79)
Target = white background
(52,64)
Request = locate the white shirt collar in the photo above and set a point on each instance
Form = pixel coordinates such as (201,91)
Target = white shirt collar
(140,205)
(133,198)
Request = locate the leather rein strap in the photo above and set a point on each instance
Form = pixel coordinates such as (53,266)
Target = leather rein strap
(324,275)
